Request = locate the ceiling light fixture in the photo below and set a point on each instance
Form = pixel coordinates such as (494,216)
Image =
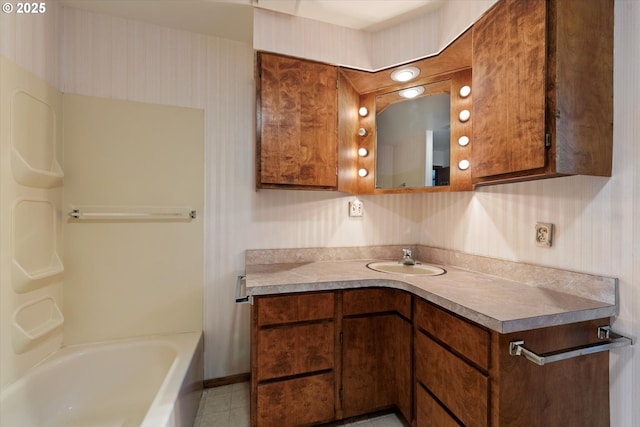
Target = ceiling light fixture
(412,92)
(405,74)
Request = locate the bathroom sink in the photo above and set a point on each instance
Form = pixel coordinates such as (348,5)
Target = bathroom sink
(394,267)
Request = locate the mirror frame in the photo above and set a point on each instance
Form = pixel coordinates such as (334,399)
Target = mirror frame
(460,180)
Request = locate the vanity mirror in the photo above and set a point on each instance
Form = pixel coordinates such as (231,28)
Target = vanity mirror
(416,137)
(413,133)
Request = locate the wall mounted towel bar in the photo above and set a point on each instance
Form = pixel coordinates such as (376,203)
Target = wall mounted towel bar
(610,340)
(136,213)
(241,296)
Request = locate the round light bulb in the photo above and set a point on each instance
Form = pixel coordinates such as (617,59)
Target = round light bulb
(363,172)
(463,165)
(362,132)
(463,140)
(464,115)
(362,152)
(363,111)
(465,91)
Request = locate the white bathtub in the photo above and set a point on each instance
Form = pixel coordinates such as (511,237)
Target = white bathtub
(150,382)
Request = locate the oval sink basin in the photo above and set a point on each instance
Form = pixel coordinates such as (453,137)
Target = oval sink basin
(394,267)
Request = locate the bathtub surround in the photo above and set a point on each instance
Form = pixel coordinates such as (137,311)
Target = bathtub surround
(130,278)
(596,219)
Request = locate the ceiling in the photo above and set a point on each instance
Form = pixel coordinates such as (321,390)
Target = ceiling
(233,19)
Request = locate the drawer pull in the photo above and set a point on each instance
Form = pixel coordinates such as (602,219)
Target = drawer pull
(612,340)
(242,297)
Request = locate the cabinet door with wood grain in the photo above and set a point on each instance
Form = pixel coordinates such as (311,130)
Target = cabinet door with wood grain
(509,88)
(297,135)
(376,352)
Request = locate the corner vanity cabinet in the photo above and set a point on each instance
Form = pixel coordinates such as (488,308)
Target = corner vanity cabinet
(318,357)
(297,114)
(542,90)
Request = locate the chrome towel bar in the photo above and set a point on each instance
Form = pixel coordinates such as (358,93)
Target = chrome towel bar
(242,297)
(137,213)
(610,338)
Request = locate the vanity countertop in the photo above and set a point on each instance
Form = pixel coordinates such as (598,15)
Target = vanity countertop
(501,304)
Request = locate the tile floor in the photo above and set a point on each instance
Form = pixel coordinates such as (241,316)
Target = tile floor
(228,406)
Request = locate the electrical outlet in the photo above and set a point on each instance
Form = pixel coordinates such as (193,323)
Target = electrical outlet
(544,234)
(356,208)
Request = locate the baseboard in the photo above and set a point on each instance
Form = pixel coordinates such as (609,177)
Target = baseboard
(231,379)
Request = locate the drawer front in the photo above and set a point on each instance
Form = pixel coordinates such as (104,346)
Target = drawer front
(430,413)
(459,386)
(296,402)
(295,350)
(376,300)
(471,341)
(274,310)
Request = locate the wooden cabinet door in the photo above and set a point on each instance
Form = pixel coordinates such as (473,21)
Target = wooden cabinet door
(297,123)
(376,365)
(509,88)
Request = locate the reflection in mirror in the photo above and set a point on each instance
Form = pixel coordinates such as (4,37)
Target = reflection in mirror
(412,146)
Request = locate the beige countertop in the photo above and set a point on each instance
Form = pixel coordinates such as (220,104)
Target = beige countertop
(501,304)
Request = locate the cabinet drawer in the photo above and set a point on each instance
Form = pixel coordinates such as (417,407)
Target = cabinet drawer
(377,300)
(430,413)
(470,341)
(459,386)
(292,350)
(296,402)
(280,309)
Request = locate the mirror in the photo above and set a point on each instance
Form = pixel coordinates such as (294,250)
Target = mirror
(413,132)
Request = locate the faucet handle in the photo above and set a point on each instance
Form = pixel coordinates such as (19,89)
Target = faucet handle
(406,253)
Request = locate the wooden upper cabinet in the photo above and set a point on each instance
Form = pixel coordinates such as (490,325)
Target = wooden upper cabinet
(542,90)
(297,127)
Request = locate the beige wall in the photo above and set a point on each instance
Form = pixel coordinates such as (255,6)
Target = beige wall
(597,218)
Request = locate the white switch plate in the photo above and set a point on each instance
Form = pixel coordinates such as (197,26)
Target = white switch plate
(544,234)
(356,208)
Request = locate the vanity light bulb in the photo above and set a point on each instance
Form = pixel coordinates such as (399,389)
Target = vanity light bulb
(363,172)
(463,140)
(463,165)
(363,111)
(362,132)
(465,91)
(464,115)
(362,152)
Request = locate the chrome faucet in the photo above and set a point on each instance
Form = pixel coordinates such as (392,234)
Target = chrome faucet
(406,257)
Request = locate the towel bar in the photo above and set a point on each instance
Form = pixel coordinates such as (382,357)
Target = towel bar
(170,214)
(613,340)
(242,298)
